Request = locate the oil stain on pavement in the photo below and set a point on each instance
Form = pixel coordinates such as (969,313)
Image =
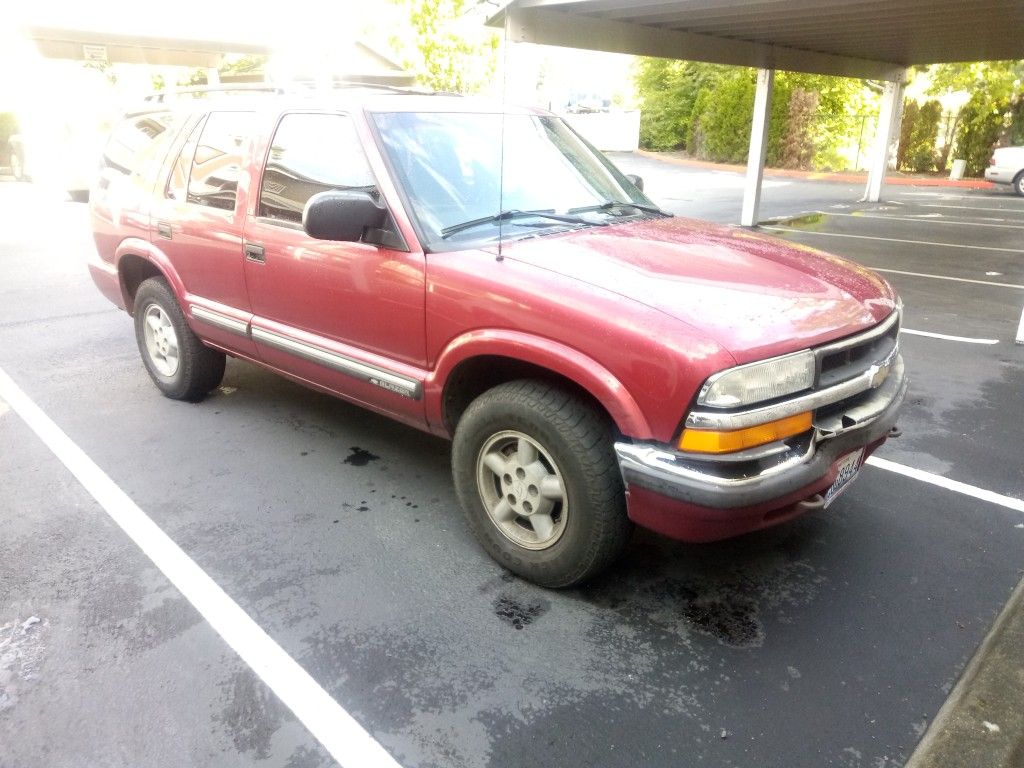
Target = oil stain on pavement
(360,457)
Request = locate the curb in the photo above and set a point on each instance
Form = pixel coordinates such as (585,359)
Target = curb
(787,173)
(982,721)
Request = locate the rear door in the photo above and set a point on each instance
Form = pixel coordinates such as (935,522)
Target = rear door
(348,316)
(198,220)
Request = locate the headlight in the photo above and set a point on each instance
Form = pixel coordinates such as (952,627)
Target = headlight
(756,382)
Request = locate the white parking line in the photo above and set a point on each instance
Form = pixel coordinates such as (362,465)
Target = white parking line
(947,277)
(951,196)
(964,339)
(950,485)
(330,724)
(970,208)
(923,220)
(890,239)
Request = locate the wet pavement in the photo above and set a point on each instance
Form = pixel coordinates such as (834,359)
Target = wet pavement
(830,641)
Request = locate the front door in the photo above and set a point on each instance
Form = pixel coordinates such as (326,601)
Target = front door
(343,315)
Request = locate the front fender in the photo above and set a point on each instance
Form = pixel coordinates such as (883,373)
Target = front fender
(542,352)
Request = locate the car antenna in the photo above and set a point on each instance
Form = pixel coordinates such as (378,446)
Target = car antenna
(501,157)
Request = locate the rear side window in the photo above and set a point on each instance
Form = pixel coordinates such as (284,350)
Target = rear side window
(135,141)
(311,153)
(177,184)
(218,159)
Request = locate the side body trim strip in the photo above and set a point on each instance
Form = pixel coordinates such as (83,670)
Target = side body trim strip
(218,320)
(379,377)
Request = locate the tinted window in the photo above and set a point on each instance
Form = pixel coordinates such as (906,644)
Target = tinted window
(311,153)
(218,159)
(135,141)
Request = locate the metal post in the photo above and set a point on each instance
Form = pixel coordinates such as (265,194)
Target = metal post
(758,146)
(888,129)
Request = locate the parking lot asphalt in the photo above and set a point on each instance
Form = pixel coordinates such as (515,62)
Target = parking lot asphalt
(830,641)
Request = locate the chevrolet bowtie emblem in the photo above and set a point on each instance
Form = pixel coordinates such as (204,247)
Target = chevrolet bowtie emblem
(879,375)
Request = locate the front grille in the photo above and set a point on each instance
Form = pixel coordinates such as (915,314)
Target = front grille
(849,358)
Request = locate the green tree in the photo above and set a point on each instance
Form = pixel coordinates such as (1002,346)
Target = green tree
(999,81)
(706,109)
(994,110)
(796,149)
(670,90)
(443,56)
(725,122)
(977,133)
(919,133)
(909,120)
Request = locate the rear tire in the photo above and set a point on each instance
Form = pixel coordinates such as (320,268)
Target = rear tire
(1018,184)
(536,474)
(181,366)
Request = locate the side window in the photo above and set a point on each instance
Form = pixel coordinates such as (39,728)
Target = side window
(177,183)
(311,153)
(133,142)
(218,159)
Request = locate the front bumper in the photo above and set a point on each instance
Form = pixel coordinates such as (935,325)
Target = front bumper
(705,499)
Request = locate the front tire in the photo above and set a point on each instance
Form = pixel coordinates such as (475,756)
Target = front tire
(1018,183)
(536,474)
(181,366)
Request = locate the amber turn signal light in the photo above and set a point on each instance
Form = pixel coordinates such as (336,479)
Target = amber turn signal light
(713,441)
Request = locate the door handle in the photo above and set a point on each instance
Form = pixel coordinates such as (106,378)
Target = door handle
(255,253)
(164,230)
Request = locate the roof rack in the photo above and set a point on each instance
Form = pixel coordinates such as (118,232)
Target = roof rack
(201,90)
(279,89)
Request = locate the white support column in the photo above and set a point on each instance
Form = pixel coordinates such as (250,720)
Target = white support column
(889,118)
(212,76)
(758,146)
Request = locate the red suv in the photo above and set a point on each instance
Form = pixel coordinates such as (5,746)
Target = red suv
(484,274)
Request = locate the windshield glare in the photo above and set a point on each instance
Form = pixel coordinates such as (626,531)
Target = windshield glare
(450,165)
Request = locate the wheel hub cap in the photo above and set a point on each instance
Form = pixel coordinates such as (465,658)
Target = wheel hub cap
(522,490)
(161,340)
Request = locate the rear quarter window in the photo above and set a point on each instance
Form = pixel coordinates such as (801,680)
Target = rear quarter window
(138,141)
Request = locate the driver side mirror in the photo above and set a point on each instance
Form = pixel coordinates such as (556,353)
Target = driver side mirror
(343,214)
(636,181)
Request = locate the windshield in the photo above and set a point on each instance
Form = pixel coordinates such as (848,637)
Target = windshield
(450,166)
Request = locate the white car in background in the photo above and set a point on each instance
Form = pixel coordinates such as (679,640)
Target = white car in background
(1007,167)
(67,160)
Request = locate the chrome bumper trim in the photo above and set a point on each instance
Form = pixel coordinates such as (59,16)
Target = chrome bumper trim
(854,341)
(677,476)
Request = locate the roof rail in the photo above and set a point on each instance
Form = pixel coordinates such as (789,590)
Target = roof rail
(199,90)
(278,89)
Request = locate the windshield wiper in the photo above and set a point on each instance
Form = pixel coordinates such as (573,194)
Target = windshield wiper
(516,214)
(611,205)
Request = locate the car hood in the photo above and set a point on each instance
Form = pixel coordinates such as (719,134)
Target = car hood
(755,295)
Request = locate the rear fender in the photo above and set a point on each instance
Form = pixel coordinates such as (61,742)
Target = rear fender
(134,246)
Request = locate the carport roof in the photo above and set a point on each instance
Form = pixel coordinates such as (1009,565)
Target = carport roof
(857,38)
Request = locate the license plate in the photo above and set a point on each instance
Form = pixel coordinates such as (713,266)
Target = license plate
(849,466)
